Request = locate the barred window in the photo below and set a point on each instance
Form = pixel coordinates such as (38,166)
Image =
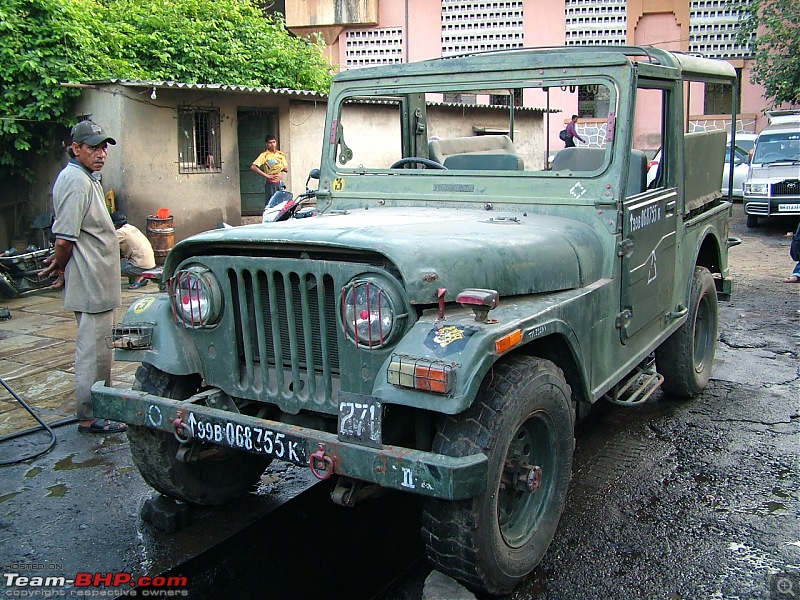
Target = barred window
(199,145)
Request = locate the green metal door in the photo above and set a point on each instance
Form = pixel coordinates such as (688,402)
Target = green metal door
(648,264)
(254,124)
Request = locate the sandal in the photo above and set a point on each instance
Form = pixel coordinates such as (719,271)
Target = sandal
(138,284)
(792,279)
(103,426)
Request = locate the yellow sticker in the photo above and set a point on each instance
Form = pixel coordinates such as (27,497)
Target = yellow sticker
(338,184)
(142,304)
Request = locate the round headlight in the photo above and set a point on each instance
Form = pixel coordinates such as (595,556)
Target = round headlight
(370,312)
(196,296)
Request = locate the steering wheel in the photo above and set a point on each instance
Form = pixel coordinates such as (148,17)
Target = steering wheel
(770,157)
(409,160)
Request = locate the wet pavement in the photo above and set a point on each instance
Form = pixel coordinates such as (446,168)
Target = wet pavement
(673,500)
(77,509)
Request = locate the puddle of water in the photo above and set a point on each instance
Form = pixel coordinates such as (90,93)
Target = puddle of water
(33,472)
(8,496)
(67,464)
(58,490)
(780,493)
(776,508)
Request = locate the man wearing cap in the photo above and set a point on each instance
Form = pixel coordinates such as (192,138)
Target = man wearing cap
(87,257)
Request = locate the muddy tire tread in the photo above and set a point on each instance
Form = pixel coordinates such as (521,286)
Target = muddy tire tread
(204,483)
(675,358)
(452,547)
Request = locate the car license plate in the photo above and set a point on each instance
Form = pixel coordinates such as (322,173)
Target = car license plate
(360,419)
(788,207)
(258,440)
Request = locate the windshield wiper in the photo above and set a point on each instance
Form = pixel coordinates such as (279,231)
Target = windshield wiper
(783,161)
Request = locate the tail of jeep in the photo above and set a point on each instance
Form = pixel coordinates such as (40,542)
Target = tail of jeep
(458,302)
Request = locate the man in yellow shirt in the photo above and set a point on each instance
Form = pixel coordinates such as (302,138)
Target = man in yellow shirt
(270,164)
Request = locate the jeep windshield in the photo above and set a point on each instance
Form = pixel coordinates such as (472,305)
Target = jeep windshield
(499,131)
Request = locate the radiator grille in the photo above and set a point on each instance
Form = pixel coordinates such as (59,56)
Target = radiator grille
(286,334)
(787,187)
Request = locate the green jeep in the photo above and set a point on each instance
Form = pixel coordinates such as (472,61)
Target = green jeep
(456,304)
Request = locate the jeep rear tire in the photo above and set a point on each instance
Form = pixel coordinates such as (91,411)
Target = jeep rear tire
(210,481)
(685,358)
(522,418)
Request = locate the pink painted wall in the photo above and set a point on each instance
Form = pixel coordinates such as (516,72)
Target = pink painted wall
(544,26)
(547,28)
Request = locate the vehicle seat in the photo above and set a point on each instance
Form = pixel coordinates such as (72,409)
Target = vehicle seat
(480,152)
(637,173)
(579,159)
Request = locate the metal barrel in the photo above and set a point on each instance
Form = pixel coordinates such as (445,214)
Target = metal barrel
(161,233)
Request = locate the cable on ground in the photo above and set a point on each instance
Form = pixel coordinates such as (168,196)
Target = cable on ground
(44,425)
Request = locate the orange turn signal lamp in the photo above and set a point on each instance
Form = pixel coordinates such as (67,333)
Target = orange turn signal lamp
(508,341)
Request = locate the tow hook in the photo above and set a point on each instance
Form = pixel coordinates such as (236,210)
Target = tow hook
(177,423)
(521,477)
(321,465)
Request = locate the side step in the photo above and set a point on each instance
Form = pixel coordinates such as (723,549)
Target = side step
(639,385)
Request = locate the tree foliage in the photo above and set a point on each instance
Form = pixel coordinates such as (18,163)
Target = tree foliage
(772,29)
(44,43)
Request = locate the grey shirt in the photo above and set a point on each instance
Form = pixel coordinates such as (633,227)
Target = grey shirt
(92,276)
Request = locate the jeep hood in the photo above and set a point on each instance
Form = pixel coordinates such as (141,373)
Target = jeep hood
(431,248)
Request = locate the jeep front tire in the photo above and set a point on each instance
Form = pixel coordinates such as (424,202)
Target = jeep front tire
(211,481)
(524,422)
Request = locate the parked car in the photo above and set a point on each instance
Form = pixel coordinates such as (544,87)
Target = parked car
(741,161)
(773,181)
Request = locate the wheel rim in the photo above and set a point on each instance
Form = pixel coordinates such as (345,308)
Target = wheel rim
(703,328)
(519,510)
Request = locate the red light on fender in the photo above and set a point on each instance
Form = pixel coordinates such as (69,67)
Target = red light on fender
(508,341)
(431,379)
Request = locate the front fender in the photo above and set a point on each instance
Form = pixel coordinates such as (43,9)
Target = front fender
(469,346)
(170,350)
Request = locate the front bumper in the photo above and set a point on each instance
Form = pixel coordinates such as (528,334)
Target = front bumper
(772,207)
(424,473)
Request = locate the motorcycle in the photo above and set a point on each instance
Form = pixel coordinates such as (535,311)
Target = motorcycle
(283,205)
(19,271)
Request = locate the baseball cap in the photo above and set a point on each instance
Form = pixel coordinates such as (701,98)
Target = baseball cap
(89,132)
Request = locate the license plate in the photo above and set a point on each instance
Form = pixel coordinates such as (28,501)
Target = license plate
(258,440)
(788,207)
(360,419)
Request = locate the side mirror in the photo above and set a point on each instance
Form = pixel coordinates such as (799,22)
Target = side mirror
(312,174)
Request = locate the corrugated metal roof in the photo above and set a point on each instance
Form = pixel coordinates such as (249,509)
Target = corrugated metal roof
(362,100)
(289,92)
(239,89)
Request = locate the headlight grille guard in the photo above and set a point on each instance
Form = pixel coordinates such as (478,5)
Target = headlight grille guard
(192,279)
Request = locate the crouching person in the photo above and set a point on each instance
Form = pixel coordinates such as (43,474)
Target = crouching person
(135,249)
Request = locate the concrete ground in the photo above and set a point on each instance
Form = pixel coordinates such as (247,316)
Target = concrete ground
(37,357)
(76,508)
